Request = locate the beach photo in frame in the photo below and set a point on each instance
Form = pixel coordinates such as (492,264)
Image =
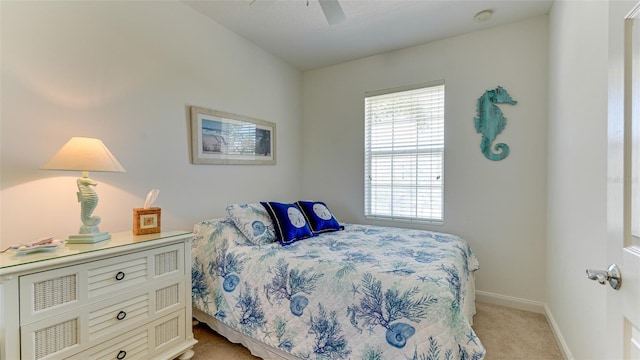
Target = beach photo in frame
(223,138)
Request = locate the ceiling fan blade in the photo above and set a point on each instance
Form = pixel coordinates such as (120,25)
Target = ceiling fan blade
(332,11)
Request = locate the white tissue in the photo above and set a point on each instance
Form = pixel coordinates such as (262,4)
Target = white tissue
(151,197)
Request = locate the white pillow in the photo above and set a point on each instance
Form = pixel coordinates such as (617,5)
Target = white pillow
(253,221)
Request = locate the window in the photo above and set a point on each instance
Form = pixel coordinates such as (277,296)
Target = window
(404,153)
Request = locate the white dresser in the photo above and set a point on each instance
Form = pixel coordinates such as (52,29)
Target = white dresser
(124,298)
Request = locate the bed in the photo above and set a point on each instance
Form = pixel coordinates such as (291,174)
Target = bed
(351,292)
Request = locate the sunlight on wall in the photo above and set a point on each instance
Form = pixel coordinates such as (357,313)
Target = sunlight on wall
(58,210)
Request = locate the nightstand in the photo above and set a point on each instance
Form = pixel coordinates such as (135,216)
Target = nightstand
(125,298)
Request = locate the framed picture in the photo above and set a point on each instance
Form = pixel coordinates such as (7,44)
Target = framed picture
(222,138)
(146,221)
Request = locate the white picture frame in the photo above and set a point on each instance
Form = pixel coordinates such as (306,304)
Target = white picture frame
(223,138)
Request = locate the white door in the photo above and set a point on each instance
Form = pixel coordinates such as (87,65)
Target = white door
(623,194)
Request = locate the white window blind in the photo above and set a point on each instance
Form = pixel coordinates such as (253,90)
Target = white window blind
(404,153)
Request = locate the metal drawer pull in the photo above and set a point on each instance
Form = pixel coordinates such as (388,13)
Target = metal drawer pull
(119,275)
(121,315)
(121,355)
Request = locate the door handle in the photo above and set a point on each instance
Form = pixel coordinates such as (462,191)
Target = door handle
(612,275)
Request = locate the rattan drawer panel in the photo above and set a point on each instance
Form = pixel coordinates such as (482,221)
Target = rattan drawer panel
(168,331)
(54,292)
(168,262)
(168,297)
(55,338)
(49,293)
(52,338)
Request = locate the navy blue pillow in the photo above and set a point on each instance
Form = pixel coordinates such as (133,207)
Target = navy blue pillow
(289,222)
(319,217)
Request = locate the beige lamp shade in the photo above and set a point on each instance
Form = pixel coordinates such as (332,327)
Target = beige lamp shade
(84,154)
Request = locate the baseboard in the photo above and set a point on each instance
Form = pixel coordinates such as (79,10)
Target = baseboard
(527,305)
(510,301)
(557,334)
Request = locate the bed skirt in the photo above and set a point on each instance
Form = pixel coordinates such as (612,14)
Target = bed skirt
(256,348)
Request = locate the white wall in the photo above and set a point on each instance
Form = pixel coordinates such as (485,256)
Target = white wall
(126,72)
(577,169)
(498,206)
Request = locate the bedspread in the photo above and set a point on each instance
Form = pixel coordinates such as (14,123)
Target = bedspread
(366,292)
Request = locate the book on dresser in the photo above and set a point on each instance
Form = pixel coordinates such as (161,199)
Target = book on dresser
(125,298)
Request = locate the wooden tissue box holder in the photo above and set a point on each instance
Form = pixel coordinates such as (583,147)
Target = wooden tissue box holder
(146,221)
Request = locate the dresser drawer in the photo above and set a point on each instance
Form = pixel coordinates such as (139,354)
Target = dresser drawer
(65,289)
(113,276)
(134,345)
(113,317)
(116,275)
(121,313)
(142,343)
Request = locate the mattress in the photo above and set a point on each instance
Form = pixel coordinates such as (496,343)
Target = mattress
(366,292)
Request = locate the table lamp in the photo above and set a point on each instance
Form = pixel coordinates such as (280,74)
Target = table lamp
(85,154)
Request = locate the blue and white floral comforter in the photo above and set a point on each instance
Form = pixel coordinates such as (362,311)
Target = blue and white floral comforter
(366,292)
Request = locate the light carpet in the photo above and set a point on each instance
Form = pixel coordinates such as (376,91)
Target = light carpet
(506,333)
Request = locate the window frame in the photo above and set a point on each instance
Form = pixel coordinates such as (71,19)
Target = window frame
(368,191)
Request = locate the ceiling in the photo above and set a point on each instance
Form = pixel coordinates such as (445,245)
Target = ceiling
(297,31)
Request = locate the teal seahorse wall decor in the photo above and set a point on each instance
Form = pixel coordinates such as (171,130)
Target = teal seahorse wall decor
(490,122)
